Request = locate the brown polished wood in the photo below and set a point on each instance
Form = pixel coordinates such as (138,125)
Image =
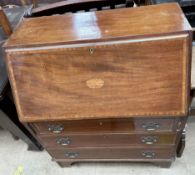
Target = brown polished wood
(4,23)
(107,140)
(131,125)
(100,26)
(120,89)
(163,164)
(110,85)
(115,80)
(9,118)
(122,153)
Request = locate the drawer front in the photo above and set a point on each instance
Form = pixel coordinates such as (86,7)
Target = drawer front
(109,126)
(113,153)
(107,140)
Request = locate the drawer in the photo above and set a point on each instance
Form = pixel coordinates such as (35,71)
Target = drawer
(114,153)
(107,140)
(109,126)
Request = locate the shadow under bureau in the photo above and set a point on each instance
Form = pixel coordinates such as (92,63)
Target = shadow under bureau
(110,85)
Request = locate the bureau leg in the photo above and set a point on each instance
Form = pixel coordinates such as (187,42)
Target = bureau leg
(33,147)
(166,164)
(65,164)
(181,144)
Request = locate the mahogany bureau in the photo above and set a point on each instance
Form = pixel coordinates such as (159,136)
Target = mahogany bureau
(109,85)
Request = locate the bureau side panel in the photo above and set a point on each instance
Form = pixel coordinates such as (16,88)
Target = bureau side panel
(145,77)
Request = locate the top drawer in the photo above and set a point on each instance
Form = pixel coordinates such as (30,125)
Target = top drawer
(137,77)
(109,126)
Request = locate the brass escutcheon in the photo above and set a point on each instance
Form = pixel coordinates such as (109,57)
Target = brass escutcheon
(91,50)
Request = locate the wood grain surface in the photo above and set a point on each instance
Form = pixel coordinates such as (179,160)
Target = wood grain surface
(111,126)
(108,140)
(141,78)
(100,26)
(128,71)
(122,153)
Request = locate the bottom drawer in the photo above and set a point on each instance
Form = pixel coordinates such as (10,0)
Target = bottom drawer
(113,153)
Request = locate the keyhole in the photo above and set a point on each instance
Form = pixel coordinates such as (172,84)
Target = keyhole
(91,50)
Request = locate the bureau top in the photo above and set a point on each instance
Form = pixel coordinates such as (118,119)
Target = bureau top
(99,26)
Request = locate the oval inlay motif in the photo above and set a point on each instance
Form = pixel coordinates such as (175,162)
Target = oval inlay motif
(95,83)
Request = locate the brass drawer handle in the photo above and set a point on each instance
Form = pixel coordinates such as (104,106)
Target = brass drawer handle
(149,154)
(55,128)
(71,155)
(63,141)
(151,126)
(149,140)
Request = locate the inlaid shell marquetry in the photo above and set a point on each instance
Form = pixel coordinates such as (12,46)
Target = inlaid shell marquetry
(95,83)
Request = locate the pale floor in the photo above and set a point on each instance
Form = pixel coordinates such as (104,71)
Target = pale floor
(15,157)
